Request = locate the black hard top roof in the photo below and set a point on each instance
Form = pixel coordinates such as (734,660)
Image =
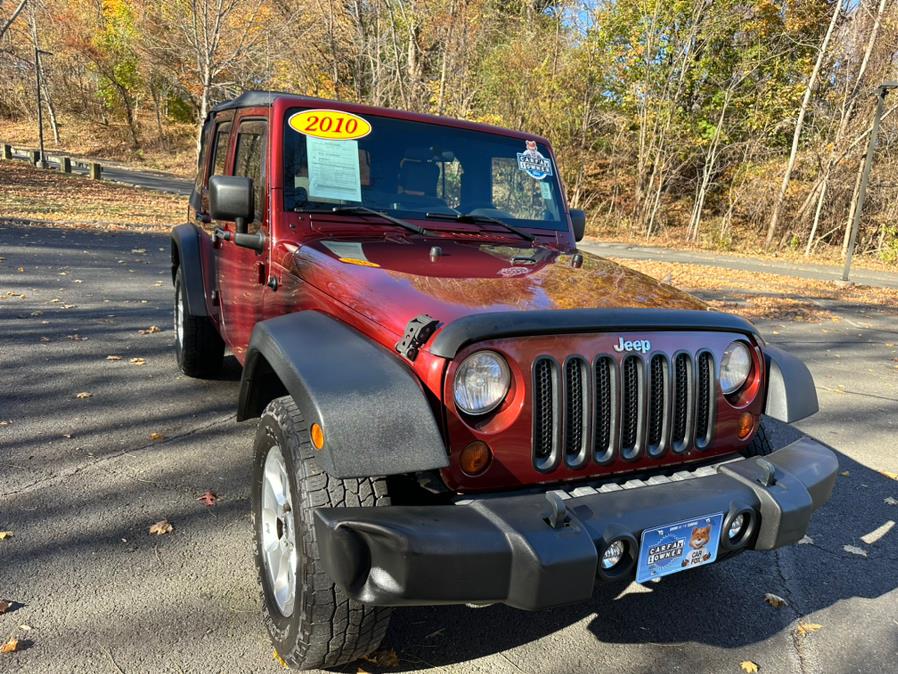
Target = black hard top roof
(257,99)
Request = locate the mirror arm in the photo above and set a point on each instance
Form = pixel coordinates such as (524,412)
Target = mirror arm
(255,241)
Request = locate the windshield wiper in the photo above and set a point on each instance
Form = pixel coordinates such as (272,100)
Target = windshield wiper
(386,216)
(470,217)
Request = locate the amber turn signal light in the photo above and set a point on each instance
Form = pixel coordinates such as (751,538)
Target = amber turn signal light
(475,458)
(317,436)
(746,425)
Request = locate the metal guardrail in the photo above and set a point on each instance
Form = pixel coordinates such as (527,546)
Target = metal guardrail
(60,162)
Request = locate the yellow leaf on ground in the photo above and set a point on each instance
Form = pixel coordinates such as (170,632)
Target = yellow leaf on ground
(278,659)
(804,629)
(150,330)
(113,357)
(749,666)
(161,527)
(154,436)
(137,361)
(5,605)
(84,394)
(774,600)
(844,473)
(10,646)
(5,534)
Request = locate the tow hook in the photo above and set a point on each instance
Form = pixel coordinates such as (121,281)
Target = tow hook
(556,516)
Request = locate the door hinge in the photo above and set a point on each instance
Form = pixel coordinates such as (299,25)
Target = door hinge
(417,332)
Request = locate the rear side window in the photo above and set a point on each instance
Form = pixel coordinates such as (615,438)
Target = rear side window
(250,162)
(220,149)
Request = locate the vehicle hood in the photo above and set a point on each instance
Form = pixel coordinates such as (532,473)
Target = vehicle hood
(390,280)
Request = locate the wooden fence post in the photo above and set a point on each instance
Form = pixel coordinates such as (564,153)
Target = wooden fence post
(65,164)
(95,170)
(33,157)
(7,151)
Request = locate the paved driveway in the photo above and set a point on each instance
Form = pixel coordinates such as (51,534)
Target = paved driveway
(81,480)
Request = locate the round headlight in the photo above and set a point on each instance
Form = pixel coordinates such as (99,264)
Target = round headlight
(735,366)
(481,382)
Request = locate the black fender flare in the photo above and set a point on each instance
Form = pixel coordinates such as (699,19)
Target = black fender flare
(791,393)
(373,410)
(186,243)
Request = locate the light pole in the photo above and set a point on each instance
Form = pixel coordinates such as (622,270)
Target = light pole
(881,92)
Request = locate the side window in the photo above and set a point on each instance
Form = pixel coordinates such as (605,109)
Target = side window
(250,162)
(220,149)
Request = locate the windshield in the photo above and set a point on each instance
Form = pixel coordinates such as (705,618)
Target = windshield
(409,169)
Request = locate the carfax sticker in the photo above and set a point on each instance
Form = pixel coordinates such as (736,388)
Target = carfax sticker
(533,163)
(677,547)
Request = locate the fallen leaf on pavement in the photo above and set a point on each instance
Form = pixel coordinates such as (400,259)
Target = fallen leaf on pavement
(208,498)
(21,270)
(10,646)
(278,659)
(150,330)
(154,436)
(804,629)
(113,357)
(5,422)
(890,500)
(854,550)
(749,666)
(84,394)
(383,658)
(6,605)
(5,534)
(844,473)
(774,600)
(76,338)
(45,339)
(161,527)
(137,361)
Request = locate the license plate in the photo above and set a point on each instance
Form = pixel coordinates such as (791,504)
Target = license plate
(678,547)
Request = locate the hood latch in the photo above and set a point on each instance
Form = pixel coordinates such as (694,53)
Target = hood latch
(417,332)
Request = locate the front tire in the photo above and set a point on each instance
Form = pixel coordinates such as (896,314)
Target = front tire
(198,346)
(760,444)
(312,622)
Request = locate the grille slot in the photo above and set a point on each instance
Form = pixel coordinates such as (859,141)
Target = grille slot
(605,412)
(682,405)
(544,412)
(631,406)
(705,400)
(575,394)
(658,405)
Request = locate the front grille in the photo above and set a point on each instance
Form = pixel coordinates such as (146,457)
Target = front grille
(621,408)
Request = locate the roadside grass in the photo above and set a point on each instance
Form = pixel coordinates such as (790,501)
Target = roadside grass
(33,196)
(760,296)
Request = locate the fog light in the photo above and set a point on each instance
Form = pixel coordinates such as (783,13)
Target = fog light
(612,555)
(736,527)
(746,425)
(475,458)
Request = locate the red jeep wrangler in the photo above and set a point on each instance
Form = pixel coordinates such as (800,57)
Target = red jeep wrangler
(456,405)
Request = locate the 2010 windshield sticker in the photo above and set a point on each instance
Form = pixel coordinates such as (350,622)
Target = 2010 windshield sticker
(330,124)
(532,162)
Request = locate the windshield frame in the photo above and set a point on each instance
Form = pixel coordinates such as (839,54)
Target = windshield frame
(557,226)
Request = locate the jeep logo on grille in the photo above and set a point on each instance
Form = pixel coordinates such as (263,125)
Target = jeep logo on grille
(640,345)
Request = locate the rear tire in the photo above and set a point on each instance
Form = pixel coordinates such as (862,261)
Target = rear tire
(198,346)
(318,625)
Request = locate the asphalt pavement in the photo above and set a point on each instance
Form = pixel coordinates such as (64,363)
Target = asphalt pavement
(82,479)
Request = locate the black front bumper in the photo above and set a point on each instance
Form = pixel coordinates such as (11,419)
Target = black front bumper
(521,551)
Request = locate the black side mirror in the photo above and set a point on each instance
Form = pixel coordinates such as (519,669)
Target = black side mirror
(578,221)
(231,199)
